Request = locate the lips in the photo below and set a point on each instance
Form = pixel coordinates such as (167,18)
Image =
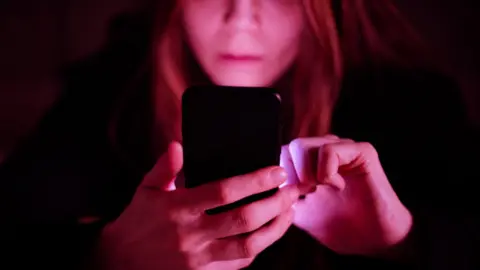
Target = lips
(240,57)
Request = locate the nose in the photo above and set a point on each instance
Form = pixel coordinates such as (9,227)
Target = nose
(243,14)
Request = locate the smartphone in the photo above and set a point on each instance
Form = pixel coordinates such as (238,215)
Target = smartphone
(229,131)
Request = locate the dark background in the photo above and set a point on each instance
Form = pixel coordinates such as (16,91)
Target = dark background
(37,38)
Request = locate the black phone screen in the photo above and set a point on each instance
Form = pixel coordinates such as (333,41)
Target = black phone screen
(229,131)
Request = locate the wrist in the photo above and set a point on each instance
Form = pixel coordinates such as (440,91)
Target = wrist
(400,243)
(105,251)
(92,236)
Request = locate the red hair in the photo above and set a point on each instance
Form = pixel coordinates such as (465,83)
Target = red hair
(355,33)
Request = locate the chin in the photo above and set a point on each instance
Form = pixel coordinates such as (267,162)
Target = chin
(241,80)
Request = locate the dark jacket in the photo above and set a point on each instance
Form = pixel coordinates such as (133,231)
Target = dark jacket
(67,169)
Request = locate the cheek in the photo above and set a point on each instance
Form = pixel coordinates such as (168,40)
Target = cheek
(200,24)
(283,40)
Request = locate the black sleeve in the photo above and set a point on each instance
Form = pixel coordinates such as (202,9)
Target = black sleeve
(66,169)
(44,189)
(418,124)
(56,176)
(46,176)
(442,178)
(51,246)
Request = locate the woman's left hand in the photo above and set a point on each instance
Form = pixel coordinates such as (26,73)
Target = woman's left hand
(354,209)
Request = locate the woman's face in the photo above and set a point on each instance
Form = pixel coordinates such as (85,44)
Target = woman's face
(243,42)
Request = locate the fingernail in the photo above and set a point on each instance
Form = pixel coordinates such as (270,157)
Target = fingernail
(278,174)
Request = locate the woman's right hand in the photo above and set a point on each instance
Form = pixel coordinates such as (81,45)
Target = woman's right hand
(168,229)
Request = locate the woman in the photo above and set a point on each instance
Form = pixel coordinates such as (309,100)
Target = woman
(90,183)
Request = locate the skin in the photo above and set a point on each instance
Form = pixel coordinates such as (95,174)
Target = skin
(356,209)
(268,30)
(167,228)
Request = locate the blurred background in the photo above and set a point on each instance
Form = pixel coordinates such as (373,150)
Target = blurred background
(38,38)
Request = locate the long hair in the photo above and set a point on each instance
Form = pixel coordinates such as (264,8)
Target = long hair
(340,34)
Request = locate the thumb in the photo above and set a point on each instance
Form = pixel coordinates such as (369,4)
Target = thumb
(162,175)
(286,163)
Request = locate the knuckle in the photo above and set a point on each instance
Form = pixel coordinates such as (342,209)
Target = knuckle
(368,149)
(261,180)
(223,193)
(183,215)
(194,212)
(243,219)
(249,247)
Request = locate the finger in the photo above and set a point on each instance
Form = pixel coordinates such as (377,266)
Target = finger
(227,191)
(252,216)
(229,265)
(354,158)
(162,175)
(304,154)
(331,137)
(200,262)
(286,163)
(250,245)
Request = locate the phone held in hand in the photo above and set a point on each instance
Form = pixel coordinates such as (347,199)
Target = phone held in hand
(229,131)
